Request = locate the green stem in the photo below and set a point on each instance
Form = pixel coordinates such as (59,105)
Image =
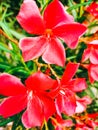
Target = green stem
(22,61)
(81,8)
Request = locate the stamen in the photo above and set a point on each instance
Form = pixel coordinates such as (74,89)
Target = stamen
(30,95)
(62,92)
(48,33)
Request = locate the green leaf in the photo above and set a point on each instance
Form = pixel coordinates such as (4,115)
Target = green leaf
(74,13)
(4,48)
(78,5)
(16,34)
(19,71)
(4,66)
(90,92)
(17,125)
(5,27)
(3,121)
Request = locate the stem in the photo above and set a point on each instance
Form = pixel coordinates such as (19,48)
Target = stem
(53,72)
(47,66)
(25,65)
(6,36)
(55,121)
(46,126)
(81,9)
(19,128)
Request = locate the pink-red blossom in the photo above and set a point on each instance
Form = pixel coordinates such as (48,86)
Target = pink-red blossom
(93,9)
(92,72)
(66,99)
(91,52)
(31,97)
(54,24)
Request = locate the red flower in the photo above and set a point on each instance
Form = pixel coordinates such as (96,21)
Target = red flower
(65,100)
(56,22)
(91,52)
(93,9)
(92,72)
(32,96)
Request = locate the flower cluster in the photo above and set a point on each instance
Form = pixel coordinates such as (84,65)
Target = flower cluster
(44,96)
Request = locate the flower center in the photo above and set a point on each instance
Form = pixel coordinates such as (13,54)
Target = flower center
(48,33)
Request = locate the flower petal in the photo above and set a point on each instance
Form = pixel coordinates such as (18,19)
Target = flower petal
(77,84)
(80,107)
(66,102)
(70,33)
(92,8)
(29,17)
(94,56)
(55,14)
(86,54)
(93,72)
(82,103)
(55,53)
(34,115)
(40,82)
(13,105)
(11,85)
(63,122)
(93,43)
(32,47)
(48,105)
(69,72)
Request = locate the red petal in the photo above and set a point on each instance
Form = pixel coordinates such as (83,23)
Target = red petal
(93,115)
(12,105)
(86,55)
(93,44)
(48,105)
(92,8)
(77,85)
(54,91)
(29,17)
(82,103)
(10,85)
(40,82)
(85,100)
(69,72)
(55,53)
(32,47)
(70,33)
(93,72)
(80,107)
(88,67)
(94,56)
(66,123)
(55,14)
(33,116)
(66,102)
